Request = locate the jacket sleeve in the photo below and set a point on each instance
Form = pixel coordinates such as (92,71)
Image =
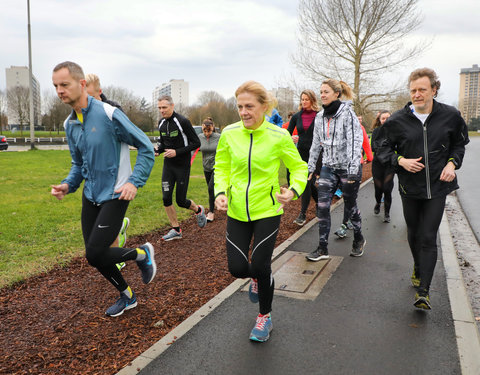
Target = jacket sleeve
(297,167)
(354,141)
(366,145)
(316,147)
(192,138)
(75,177)
(128,133)
(459,141)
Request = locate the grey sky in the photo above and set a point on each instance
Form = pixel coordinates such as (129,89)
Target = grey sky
(213,44)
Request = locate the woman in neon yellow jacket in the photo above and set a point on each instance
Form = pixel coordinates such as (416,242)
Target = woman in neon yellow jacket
(246,185)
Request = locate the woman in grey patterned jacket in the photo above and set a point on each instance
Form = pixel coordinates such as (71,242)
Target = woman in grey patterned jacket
(338,136)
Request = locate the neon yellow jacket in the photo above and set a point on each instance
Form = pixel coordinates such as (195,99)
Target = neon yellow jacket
(246,169)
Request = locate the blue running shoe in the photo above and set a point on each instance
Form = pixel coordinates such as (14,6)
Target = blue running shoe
(253,291)
(122,304)
(147,265)
(262,329)
(201,218)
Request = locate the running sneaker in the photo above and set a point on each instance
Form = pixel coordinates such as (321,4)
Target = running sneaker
(300,220)
(386,218)
(376,209)
(422,300)
(122,235)
(253,291)
(172,235)
(338,193)
(122,304)
(147,265)
(319,254)
(342,231)
(415,279)
(357,248)
(262,329)
(201,218)
(349,224)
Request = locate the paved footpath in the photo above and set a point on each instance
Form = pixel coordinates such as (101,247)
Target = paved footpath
(362,322)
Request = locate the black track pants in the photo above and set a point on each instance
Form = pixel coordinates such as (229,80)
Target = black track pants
(100,227)
(423,217)
(239,237)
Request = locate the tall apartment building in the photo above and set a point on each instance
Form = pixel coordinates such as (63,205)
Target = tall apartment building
(18,76)
(469,95)
(176,88)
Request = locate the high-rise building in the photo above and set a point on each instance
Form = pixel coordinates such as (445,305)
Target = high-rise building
(176,88)
(18,101)
(469,95)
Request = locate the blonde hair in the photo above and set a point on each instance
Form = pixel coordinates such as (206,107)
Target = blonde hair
(313,99)
(260,93)
(92,79)
(344,90)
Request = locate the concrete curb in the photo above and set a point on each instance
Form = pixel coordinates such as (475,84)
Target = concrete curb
(468,338)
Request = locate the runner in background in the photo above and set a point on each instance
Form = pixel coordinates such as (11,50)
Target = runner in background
(93,89)
(247,162)
(304,122)
(208,146)
(177,140)
(382,173)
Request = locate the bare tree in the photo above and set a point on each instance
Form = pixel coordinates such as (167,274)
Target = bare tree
(356,41)
(55,112)
(18,100)
(3,111)
(212,104)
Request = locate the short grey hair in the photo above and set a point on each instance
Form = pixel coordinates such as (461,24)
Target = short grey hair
(168,98)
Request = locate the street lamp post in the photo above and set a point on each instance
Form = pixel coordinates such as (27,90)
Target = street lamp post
(30,75)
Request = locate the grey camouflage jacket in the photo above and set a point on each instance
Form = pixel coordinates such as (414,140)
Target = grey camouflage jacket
(340,139)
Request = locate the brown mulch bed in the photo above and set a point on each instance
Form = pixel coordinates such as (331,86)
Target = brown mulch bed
(55,323)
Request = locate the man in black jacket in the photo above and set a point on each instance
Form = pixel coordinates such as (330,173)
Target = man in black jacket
(177,140)
(425,141)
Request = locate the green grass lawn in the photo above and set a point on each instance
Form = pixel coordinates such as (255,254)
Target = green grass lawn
(37,231)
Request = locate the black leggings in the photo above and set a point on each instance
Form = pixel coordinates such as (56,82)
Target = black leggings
(239,236)
(309,192)
(100,227)
(175,174)
(209,179)
(423,217)
(383,182)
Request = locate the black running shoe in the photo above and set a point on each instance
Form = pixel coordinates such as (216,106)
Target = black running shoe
(386,218)
(422,300)
(357,248)
(319,254)
(376,209)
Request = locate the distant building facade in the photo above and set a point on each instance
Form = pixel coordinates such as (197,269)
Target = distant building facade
(176,88)
(18,76)
(469,95)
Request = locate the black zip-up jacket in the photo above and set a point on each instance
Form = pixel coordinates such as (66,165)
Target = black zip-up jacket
(441,139)
(177,133)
